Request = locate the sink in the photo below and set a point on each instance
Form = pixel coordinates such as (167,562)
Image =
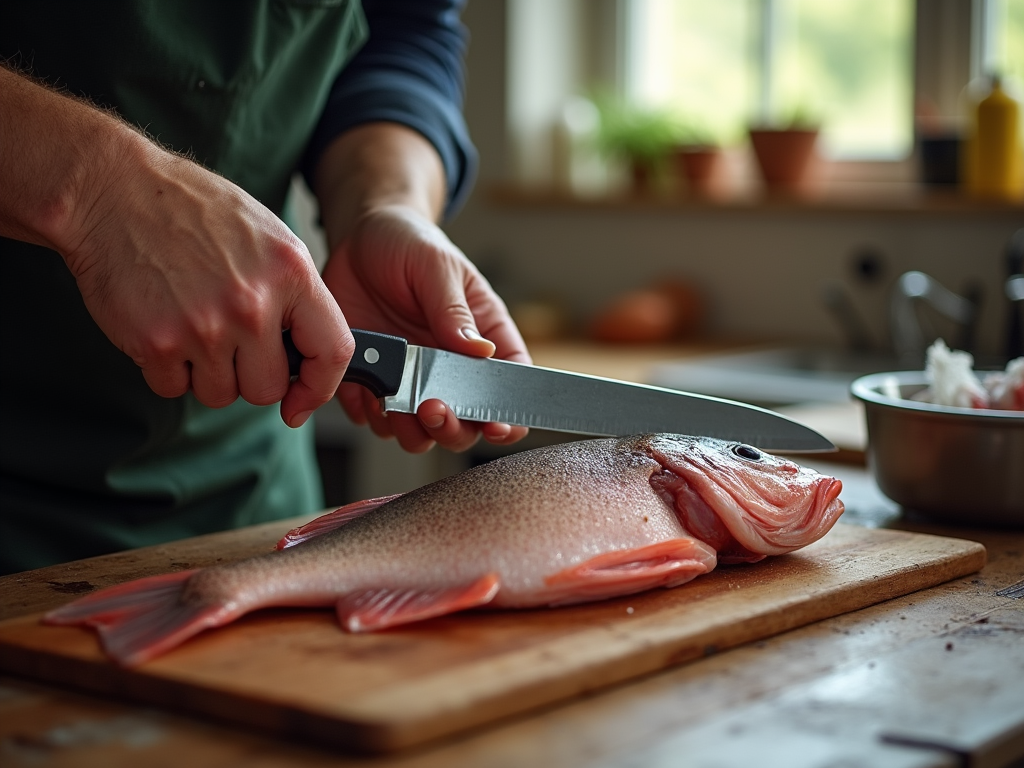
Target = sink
(777,376)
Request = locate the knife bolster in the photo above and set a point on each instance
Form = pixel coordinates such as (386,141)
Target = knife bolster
(378,363)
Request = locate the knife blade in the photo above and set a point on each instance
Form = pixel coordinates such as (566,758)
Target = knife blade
(404,375)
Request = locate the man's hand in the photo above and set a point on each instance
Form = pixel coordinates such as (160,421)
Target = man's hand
(398,273)
(194,280)
(182,270)
(392,270)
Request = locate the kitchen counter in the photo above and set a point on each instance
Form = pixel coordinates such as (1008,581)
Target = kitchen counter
(922,680)
(842,423)
(935,678)
(629,362)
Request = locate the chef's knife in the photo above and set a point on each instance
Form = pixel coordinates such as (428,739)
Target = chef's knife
(403,375)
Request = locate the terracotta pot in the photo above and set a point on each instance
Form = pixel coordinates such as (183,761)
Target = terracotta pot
(700,167)
(785,156)
(641,176)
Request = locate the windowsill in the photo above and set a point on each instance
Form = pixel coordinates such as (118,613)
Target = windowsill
(846,197)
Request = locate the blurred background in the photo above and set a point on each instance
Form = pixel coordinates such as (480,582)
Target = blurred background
(623,211)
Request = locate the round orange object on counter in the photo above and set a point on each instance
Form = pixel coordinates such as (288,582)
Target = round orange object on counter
(664,312)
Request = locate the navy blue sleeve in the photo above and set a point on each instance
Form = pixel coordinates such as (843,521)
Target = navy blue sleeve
(410,71)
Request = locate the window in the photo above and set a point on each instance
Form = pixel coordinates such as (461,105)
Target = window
(861,67)
(728,64)
(849,64)
(999,41)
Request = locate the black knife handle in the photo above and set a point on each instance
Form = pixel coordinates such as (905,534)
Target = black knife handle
(378,362)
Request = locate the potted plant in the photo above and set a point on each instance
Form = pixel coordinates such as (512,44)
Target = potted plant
(642,137)
(698,161)
(785,152)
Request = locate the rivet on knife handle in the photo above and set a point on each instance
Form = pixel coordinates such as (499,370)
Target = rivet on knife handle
(378,362)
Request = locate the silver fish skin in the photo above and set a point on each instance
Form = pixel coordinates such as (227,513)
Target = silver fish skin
(564,524)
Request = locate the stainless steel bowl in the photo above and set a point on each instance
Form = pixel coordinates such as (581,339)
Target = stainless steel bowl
(960,465)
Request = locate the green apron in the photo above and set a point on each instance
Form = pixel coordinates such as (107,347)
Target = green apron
(91,461)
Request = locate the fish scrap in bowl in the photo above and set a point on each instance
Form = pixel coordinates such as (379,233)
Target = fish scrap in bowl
(953,382)
(563,524)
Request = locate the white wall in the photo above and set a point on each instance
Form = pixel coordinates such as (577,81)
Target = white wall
(763,272)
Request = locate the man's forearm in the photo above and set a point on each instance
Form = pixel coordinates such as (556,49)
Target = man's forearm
(182,270)
(52,150)
(376,165)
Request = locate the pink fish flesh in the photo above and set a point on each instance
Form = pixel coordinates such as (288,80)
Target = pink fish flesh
(564,524)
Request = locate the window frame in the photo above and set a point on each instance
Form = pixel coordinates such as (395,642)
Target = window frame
(947,55)
(963,27)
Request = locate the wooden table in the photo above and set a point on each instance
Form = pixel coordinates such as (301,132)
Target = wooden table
(918,681)
(935,678)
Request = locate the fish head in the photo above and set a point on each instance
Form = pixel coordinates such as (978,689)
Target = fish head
(766,504)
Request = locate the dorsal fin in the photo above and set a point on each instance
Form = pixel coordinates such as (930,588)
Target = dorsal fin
(332,520)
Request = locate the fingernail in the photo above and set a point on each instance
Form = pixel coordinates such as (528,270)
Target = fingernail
(300,418)
(472,334)
(433,422)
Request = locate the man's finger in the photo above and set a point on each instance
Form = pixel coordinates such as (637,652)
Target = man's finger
(261,366)
(410,433)
(503,434)
(326,345)
(214,382)
(444,427)
(451,320)
(375,417)
(169,380)
(351,398)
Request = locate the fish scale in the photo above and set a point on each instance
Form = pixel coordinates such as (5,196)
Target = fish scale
(563,524)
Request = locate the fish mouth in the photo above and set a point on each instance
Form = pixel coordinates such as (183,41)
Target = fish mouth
(831,505)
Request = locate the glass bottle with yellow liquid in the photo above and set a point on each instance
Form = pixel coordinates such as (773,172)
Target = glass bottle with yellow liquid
(994,160)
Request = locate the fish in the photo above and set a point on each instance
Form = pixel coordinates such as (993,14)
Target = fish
(563,524)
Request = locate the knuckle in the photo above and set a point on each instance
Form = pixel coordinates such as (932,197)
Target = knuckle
(465,443)
(342,350)
(461,438)
(292,257)
(220,399)
(164,384)
(158,346)
(268,394)
(249,306)
(209,329)
(460,311)
(415,445)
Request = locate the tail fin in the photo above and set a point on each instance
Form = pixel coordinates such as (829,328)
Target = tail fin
(142,619)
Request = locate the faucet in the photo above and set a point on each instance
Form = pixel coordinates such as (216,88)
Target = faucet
(1015,293)
(837,301)
(914,288)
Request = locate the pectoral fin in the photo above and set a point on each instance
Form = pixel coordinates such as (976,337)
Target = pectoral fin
(374,609)
(623,572)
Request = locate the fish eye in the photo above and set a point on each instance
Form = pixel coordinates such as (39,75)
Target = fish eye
(747,452)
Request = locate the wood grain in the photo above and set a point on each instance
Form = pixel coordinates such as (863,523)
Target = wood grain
(294,673)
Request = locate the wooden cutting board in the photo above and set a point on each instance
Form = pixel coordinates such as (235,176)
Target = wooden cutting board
(294,672)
